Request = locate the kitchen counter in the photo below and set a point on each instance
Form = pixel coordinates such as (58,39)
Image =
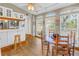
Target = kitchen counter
(7,36)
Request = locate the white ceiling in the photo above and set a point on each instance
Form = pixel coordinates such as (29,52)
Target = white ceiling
(42,7)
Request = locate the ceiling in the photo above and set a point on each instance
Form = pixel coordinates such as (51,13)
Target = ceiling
(42,7)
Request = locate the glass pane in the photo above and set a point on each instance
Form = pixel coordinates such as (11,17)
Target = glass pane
(8,13)
(50,24)
(1,12)
(68,22)
(50,14)
(39,26)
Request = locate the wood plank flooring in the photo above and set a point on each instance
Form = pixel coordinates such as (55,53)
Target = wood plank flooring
(33,49)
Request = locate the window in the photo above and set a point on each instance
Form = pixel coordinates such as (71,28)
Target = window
(50,14)
(50,24)
(39,25)
(68,22)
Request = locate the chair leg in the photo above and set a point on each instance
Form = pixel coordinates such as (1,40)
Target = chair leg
(48,49)
(52,52)
(15,45)
(69,52)
(56,51)
(42,48)
(73,52)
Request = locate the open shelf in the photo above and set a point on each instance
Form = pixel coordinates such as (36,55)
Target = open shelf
(7,18)
(9,23)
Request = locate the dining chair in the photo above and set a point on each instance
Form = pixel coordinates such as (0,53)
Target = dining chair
(72,42)
(60,45)
(16,40)
(44,45)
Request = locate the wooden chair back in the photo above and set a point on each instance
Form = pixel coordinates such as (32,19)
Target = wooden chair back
(57,43)
(44,44)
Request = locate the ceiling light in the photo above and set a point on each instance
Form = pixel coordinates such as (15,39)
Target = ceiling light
(30,6)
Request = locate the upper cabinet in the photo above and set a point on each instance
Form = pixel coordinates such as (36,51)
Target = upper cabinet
(2,11)
(10,19)
(18,15)
(8,12)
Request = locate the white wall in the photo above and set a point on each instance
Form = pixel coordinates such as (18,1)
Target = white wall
(29,24)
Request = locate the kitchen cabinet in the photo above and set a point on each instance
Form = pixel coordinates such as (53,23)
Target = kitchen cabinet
(8,12)
(3,38)
(11,24)
(2,11)
(11,34)
(7,37)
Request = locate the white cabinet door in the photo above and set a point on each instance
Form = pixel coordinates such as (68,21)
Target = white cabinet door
(0,43)
(3,37)
(11,35)
(1,11)
(8,12)
(22,35)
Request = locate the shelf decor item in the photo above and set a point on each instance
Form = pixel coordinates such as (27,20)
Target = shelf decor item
(21,16)
(10,23)
(16,15)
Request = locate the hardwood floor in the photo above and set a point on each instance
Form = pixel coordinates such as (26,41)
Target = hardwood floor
(33,49)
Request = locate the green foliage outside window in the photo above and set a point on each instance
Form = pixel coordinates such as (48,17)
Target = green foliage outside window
(71,24)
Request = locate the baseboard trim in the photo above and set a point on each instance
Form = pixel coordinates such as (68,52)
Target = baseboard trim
(77,48)
(38,37)
(10,47)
